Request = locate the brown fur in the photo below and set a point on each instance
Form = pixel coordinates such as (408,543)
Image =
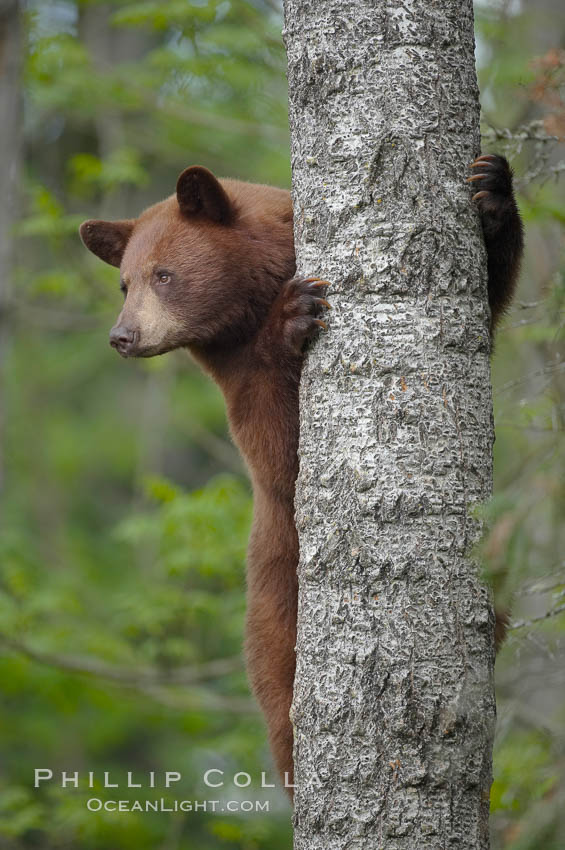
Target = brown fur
(225,252)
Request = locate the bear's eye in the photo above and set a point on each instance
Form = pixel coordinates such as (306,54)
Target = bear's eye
(164,277)
(123,288)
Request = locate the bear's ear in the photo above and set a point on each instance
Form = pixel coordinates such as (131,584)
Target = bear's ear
(107,239)
(198,191)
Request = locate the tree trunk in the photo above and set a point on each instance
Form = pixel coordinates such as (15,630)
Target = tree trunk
(10,138)
(393,704)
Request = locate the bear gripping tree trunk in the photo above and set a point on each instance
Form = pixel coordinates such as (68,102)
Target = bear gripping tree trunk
(393,707)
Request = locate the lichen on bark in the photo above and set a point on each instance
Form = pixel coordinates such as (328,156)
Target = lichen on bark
(394,708)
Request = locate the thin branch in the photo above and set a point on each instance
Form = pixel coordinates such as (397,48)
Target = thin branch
(522,323)
(534,131)
(199,701)
(548,369)
(536,588)
(544,145)
(139,677)
(554,612)
(152,682)
(557,576)
(532,429)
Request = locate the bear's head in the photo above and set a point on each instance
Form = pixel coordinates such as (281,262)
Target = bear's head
(185,266)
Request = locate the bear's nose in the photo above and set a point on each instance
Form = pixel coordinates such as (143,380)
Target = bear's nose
(121,337)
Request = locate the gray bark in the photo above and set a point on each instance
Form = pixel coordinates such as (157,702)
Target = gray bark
(393,704)
(10,139)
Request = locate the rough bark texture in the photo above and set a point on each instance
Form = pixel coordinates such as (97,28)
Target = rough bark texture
(394,704)
(10,111)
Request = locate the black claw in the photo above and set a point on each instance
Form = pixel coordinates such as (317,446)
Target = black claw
(303,303)
(497,178)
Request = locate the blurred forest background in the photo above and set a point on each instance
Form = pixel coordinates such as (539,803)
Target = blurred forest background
(125,508)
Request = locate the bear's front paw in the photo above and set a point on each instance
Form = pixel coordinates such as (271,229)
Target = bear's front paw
(494,184)
(298,306)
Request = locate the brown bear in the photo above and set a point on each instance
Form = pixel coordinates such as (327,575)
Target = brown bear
(211,269)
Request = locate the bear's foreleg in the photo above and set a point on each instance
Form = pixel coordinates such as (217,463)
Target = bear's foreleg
(266,428)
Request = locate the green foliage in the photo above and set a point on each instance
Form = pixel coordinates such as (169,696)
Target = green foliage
(524,771)
(121,168)
(122,539)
